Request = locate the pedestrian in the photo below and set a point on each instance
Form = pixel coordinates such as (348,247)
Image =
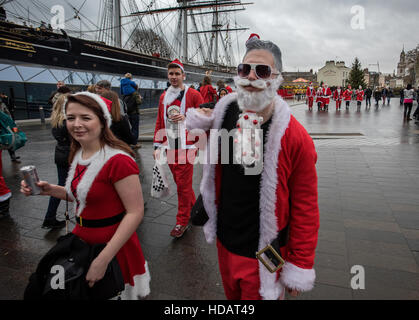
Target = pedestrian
(311,93)
(368,94)
(207,90)
(416,113)
(133,100)
(384,94)
(347,96)
(5,193)
(221,85)
(401,96)
(103,183)
(359,98)
(337,96)
(278,207)
(223,92)
(120,126)
(7,107)
(102,86)
(389,95)
(409,94)
(319,98)
(61,154)
(171,135)
(377,95)
(327,94)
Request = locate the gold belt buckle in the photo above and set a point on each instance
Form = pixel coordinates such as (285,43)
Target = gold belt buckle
(265,263)
(81,221)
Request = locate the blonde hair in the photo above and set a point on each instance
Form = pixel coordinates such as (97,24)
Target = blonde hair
(57,115)
(91,88)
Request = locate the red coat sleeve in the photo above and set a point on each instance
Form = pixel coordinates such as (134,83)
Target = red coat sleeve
(304,210)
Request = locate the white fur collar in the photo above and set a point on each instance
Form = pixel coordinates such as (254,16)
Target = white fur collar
(94,165)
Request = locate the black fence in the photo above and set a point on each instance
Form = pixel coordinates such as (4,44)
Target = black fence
(28,97)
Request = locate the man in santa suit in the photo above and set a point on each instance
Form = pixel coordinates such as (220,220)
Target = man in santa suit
(347,96)
(275,206)
(359,98)
(319,98)
(337,96)
(327,94)
(311,93)
(170,134)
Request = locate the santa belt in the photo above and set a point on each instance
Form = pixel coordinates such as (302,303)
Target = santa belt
(100,223)
(274,261)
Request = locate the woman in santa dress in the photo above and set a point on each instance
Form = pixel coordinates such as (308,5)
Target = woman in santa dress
(104,186)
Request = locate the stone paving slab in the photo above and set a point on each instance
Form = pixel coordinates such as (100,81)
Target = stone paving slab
(369,214)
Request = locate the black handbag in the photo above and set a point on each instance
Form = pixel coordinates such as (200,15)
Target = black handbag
(198,214)
(73,256)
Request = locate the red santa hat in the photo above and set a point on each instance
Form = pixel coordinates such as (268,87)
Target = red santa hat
(253,36)
(178,63)
(104,104)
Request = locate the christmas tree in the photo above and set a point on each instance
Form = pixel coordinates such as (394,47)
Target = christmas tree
(356,76)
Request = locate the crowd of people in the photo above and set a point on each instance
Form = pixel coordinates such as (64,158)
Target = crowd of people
(265,224)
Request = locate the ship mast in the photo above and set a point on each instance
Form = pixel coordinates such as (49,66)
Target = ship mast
(190,6)
(117,23)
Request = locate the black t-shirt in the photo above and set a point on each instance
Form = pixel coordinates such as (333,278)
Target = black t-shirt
(238,211)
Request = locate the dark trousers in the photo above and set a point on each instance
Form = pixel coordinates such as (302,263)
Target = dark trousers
(368,101)
(407,109)
(134,119)
(416,113)
(55,202)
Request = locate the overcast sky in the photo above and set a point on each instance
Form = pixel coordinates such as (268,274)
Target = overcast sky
(310,32)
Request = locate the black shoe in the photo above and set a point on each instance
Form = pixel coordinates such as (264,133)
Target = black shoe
(4,215)
(16,160)
(53,224)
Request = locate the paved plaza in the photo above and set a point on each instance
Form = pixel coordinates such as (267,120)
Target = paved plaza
(368,173)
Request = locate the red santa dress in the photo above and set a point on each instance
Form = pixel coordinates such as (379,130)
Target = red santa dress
(208,93)
(90,184)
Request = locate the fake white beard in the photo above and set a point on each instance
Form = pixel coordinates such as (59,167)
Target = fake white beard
(170,95)
(256,101)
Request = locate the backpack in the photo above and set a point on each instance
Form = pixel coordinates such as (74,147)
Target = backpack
(10,136)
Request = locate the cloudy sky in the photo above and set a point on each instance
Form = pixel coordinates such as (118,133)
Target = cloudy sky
(311,32)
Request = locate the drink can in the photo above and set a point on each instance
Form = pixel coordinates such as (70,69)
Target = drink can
(31,178)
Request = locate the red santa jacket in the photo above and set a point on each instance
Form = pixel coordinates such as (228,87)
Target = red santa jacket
(347,95)
(338,94)
(208,93)
(288,194)
(311,93)
(191,99)
(319,95)
(359,95)
(229,89)
(327,94)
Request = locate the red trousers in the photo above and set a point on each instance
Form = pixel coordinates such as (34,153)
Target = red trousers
(338,103)
(181,164)
(240,275)
(310,102)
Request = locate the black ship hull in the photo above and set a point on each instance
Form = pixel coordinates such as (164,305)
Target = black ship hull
(25,45)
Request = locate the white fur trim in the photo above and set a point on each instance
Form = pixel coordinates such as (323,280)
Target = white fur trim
(101,103)
(141,286)
(196,120)
(5,196)
(297,278)
(269,181)
(94,165)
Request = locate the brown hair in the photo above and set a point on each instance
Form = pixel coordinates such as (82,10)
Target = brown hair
(173,65)
(207,80)
(106,137)
(116,107)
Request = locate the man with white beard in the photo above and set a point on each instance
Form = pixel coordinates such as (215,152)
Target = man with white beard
(265,225)
(170,136)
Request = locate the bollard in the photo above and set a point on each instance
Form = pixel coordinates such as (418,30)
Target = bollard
(42,114)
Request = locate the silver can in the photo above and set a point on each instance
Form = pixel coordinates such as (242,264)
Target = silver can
(31,178)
